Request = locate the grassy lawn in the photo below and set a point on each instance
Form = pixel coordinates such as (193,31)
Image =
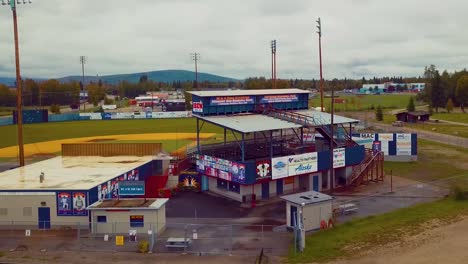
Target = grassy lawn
(62,130)
(346,239)
(365,102)
(442,128)
(455,117)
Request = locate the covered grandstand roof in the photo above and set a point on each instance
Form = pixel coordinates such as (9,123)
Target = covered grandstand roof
(249,123)
(321,118)
(248,92)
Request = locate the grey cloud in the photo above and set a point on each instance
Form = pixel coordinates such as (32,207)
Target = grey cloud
(360,37)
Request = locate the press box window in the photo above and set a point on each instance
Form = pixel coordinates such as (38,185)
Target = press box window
(102,219)
(137,221)
(222,184)
(27,211)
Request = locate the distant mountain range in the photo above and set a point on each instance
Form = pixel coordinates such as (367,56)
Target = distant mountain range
(160,76)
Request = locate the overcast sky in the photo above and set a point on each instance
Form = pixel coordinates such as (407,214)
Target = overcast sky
(360,37)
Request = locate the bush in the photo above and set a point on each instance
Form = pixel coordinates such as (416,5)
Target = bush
(55,109)
(379,113)
(459,193)
(411,107)
(143,246)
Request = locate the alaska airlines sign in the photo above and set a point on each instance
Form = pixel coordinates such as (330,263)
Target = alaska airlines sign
(294,165)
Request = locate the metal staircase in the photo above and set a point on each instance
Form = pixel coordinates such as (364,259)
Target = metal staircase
(369,170)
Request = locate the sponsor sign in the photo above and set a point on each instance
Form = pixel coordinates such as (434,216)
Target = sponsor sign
(197,107)
(263,169)
(308,137)
(224,175)
(280,98)
(339,157)
(279,167)
(79,204)
(376,146)
(302,164)
(64,204)
(131,188)
(385,138)
(190,180)
(403,144)
(232,100)
(238,172)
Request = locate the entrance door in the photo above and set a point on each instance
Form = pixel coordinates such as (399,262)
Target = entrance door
(304,184)
(204,183)
(293,215)
(44,217)
(265,190)
(315,184)
(279,186)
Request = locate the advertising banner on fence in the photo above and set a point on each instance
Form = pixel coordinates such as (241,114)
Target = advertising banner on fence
(302,164)
(232,100)
(384,139)
(238,172)
(197,107)
(339,157)
(64,204)
(221,168)
(403,144)
(79,204)
(280,98)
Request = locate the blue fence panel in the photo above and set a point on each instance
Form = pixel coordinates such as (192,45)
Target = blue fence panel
(5,121)
(414,144)
(64,117)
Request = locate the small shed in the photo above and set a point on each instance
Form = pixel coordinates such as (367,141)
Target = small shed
(413,117)
(314,207)
(121,216)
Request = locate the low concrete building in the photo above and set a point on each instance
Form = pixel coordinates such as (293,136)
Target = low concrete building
(122,216)
(314,207)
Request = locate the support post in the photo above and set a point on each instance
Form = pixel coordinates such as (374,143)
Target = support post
(224,136)
(271,144)
(243,147)
(198,136)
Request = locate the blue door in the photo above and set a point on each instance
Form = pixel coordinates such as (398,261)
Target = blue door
(315,186)
(293,215)
(265,190)
(279,186)
(204,182)
(44,218)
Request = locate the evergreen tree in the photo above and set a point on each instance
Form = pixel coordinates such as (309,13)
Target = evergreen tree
(411,107)
(449,105)
(437,93)
(379,113)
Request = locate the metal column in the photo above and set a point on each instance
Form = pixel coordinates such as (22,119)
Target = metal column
(198,136)
(271,144)
(243,147)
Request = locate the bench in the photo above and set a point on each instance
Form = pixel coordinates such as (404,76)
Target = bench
(177,242)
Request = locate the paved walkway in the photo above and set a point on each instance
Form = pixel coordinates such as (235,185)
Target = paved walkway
(449,122)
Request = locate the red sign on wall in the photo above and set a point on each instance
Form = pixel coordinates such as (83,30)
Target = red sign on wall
(197,107)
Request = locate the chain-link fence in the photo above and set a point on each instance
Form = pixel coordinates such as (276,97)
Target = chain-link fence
(199,239)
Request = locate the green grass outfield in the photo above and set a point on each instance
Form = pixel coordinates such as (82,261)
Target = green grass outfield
(365,102)
(62,130)
(454,117)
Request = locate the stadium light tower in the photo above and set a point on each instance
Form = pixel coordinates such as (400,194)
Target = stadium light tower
(273,64)
(195,58)
(83,60)
(19,92)
(319,32)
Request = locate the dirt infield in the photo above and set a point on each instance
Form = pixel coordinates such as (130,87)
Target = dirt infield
(54,146)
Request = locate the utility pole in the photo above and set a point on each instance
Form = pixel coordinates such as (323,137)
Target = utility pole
(332,141)
(273,64)
(19,91)
(195,58)
(83,61)
(319,32)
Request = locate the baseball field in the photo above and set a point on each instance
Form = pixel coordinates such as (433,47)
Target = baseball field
(46,138)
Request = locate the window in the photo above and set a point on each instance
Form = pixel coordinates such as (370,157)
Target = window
(27,211)
(222,184)
(137,221)
(234,187)
(102,219)
(3,211)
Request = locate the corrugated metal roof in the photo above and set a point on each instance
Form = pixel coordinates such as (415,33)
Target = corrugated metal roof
(133,204)
(321,118)
(248,92)
(69,173)
(249,123)
(307,198)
